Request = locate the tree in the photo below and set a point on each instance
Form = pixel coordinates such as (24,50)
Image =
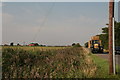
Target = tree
(11,44)
(76,45)
(18,44)
(36,44)
(104,35)
(117,33)
(86,44)
(73,44)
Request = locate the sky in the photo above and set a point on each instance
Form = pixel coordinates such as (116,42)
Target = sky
(49,23)
(119,11)
(0,35)
(57,0)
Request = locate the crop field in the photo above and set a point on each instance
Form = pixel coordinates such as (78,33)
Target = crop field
(46,62)
(32,48)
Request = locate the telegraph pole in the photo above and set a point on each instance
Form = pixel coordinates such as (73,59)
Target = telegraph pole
(111,48)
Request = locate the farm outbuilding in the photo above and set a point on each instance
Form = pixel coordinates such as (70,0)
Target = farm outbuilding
(33,44)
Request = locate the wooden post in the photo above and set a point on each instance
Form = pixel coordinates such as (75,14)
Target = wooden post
(111,15)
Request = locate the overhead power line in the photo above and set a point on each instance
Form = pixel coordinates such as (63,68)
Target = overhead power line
(44,21)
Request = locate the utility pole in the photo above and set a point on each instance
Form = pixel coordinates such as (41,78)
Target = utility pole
(111,48)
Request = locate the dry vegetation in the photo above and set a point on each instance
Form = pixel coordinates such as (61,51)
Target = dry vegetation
(29,62)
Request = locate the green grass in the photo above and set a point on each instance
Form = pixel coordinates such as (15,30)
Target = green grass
(103,68)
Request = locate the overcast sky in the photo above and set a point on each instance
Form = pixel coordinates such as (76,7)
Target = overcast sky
(119,11)
(52,23)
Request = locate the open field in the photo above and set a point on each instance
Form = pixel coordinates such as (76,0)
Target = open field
(32,48)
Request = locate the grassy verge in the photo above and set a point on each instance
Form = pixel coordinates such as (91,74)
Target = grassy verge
(103,68)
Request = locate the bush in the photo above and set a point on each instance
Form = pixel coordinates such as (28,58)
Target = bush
(76,45)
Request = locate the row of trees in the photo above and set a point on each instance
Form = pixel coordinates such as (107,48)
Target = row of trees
(32,44)
(105,33)
(36,44)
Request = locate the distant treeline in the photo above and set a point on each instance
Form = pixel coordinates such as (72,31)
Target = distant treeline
(37,44)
